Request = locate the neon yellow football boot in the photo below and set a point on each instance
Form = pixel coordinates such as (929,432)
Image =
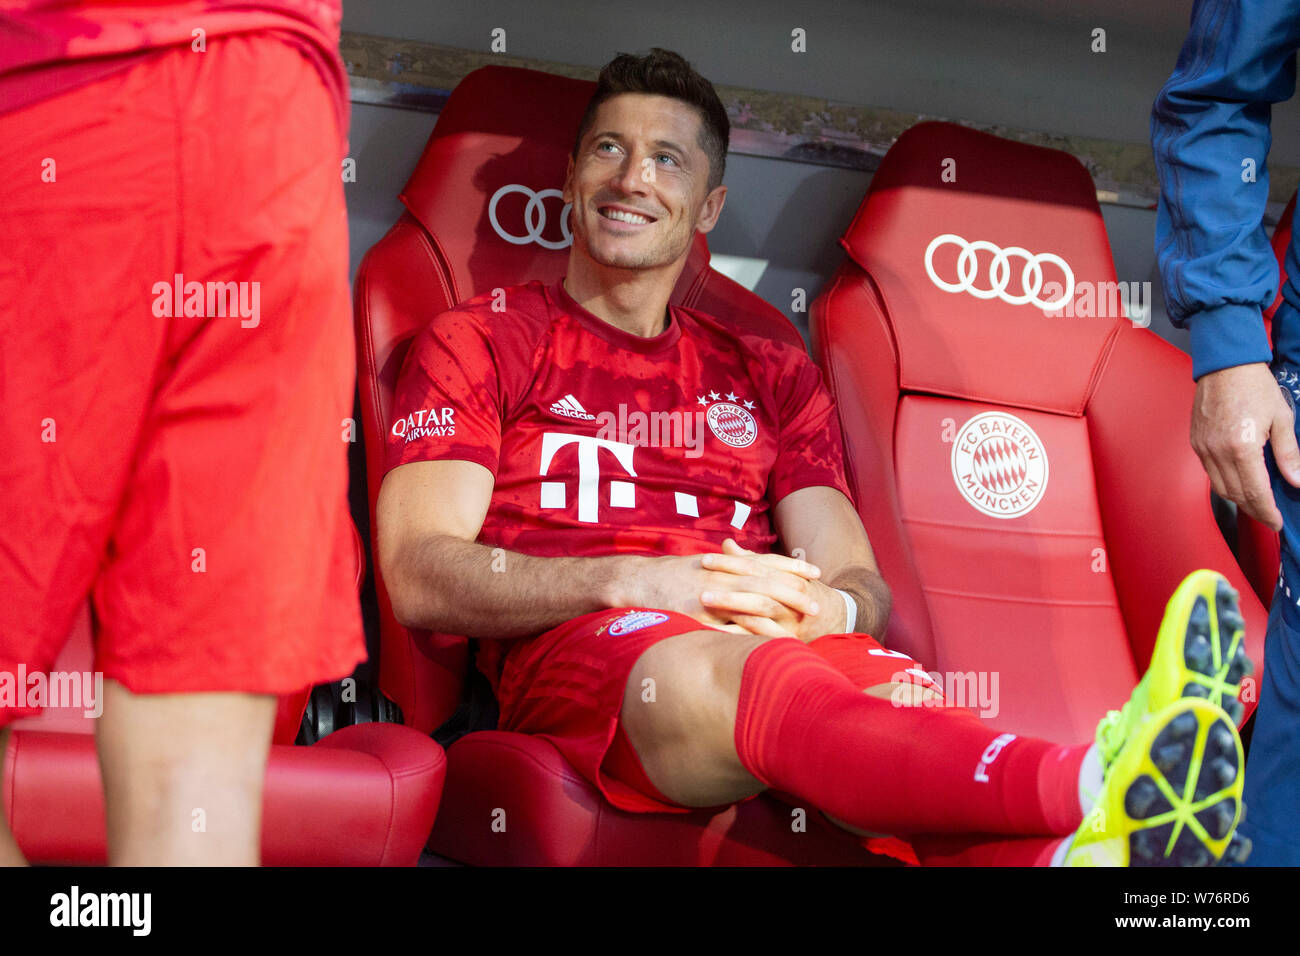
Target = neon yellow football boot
(1171,759)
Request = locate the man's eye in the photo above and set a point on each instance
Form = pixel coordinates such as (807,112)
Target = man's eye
(600,146)
(667,157)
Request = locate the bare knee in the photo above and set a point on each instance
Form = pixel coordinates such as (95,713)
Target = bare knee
(156,733)
(10,854)
(679,712)
(676,694)
(183,775)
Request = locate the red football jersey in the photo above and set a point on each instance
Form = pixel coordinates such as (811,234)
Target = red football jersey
(605,442)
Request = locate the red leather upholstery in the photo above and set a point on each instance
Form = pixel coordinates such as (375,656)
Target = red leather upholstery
(1062,601)
(1281,239)
(502,127)
(365,795)
(512,799)
(1258,550)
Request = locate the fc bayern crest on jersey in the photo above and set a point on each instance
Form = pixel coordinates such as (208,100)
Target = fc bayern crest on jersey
(729,421)
(635,621)
(999,465)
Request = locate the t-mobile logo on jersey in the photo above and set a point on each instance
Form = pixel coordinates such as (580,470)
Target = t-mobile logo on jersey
(622,494)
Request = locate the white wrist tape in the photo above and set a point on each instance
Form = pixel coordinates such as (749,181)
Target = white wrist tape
(850,610)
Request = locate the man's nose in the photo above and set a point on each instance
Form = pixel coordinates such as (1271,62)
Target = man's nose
(630,177)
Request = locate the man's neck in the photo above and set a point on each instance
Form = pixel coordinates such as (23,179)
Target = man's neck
(632,300)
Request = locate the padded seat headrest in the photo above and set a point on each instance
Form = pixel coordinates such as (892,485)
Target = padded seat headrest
(972,241)
(501,142)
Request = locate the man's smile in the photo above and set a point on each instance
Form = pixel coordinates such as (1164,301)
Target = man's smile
(625,216)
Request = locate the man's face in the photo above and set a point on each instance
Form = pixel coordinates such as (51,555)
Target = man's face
(639,185)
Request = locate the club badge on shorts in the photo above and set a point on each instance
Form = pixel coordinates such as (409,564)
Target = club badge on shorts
(999,465)
(635,621)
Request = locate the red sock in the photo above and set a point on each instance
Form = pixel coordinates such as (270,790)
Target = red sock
(866,664)
(802,727)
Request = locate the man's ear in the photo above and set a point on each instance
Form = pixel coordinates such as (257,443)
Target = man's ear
(711,209)
(567,191)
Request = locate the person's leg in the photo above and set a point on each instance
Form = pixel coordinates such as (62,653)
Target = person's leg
(879,672)
(733,715)
(183,776)
(1273,767)
(80,347)
(930,850)
(187,454)
(662,715)
(622,763)
(228,579)
(571,685)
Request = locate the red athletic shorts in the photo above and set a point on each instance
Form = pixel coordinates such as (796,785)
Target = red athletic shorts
(186,469)
(567,686)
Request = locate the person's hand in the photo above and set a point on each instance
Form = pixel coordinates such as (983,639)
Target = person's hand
(772,594)
(737,590)
(1235,412)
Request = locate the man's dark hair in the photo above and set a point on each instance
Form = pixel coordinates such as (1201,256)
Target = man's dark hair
(665,73)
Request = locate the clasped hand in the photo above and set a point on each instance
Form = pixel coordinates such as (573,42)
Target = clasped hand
(746,592)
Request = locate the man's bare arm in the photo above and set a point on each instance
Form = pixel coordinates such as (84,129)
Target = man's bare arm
(428,515)
(821,525)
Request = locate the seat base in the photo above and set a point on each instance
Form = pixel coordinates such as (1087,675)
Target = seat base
(365,795)
(512,800)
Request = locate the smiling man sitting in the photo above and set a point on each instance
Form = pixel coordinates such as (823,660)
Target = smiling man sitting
(641,621)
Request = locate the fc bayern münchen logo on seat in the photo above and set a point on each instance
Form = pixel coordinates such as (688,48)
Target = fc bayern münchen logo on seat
(999,465)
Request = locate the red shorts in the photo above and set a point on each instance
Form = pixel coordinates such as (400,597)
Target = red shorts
(185,469)
(567,686)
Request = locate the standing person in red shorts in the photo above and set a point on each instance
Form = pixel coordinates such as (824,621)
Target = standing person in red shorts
(592,483)
(176,366)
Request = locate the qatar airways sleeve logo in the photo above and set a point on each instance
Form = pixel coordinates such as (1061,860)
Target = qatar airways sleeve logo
(427,422)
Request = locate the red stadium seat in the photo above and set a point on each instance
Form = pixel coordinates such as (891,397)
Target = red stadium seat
(1258,549)
(1281,239)
(482,212)
(365,795)
(1026,480)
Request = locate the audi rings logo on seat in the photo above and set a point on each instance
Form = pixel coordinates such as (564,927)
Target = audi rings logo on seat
(1031,276)
(534,217)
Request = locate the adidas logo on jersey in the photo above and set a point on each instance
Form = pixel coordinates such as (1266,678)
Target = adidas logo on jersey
(570,407)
